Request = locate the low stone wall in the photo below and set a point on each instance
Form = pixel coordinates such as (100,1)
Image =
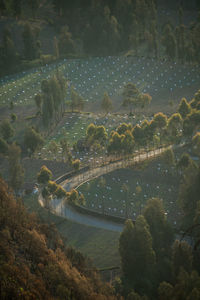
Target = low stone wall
(107,217)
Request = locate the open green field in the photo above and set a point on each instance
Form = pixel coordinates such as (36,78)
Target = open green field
(101,246)
(155,180)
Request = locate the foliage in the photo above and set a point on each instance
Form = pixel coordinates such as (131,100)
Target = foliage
(60,192)
(6,130)
(44,175)
(32,140)
(189,195)
(34,262)
(95,133)
(77,102)
(16,171)
(31,44)
(196,143)
(168,157)
(106,103)
(184,108)
(191,123)
(53,93)
(137,255)
(76,164)
(3,146)
(130,96)
(182,257)
(161,231)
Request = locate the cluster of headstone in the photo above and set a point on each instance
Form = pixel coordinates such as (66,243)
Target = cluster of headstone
(92,77)
(113,196)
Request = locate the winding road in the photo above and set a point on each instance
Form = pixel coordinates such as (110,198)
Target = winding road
(59,208)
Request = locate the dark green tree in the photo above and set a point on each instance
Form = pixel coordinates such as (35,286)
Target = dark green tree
(184,108)
(6,130)
(130,96)
(3,146)
(32,140)
(106,103)
(31,43)
(182,257)
(44,175)
(169,42)
(16,170)
(137,255)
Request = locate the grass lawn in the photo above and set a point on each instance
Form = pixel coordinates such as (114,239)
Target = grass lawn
(99,245)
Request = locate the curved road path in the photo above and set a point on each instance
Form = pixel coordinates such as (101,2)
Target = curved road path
(61,209)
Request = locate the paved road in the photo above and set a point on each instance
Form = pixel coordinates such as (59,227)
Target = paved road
(76,181)
(68,212)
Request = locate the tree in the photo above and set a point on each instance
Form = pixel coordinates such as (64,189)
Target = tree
(130,96)
(137,255)
(9,58)
(32,140)
(196,143)
(31,44)
(3,146)
(72,196)
(6,130)
(53,147)
(189,195)
(77,101)
(196,100)
(181,257)
(184,108)
(127,142)
(168,157)
(125,188)
(169,42)
(16,170)
(65,43)
(138,134)
(60,192)
(115,143)
(161,231)
(191,123)
(174,126)
(160,120)
(106,103)
(144,100)
(165,291)
(38,101)
(44,175)
(76,164)
(95,133)
(122,128)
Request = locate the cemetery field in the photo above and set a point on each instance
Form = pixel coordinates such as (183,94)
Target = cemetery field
(91,77)
(125,192)
(99,245)
(73,127)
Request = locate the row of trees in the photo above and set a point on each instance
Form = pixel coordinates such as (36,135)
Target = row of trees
(161,129)
(51,189)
